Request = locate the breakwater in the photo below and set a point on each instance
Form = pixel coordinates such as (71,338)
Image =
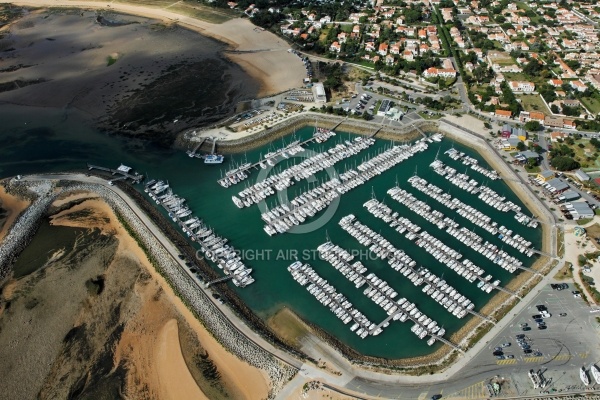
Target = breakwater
(204,309)
(297,122)
(26,224)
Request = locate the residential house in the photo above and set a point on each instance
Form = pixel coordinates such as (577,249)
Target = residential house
(383,49)
(578,85)
(555,82)
(335,47)
(553,122)
(503,113)
(521,86)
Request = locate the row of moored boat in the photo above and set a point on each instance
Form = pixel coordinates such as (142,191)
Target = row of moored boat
(446,295)
(303,170)
(284,217)
(214,247)
(473,163)
(476,217)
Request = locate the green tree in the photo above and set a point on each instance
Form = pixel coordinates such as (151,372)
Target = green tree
(563,163)
(533,126)
(521,146)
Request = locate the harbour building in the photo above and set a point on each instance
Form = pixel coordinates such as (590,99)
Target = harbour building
(319,92)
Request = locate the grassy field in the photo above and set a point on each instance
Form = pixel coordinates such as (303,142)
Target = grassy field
(288,326)
(148,3)
(516,76)
(591,104)
(533,102)
(566,272)
(429,116)
(582,153)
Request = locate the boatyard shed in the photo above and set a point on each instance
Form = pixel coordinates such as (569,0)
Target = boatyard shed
(510,143)
(568,195)
(319,92)
(582,176)
(523,156)
(580,210)
(545,176)
(555,186)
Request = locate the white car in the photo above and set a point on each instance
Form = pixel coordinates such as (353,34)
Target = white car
(545,314)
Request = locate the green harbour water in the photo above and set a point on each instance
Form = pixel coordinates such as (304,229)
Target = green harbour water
(58,141)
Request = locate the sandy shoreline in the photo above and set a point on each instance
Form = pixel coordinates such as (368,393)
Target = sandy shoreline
(263,55)
(12,206)
(240,378)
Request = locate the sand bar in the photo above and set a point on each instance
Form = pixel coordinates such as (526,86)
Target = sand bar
(174,378)
(241,378)
(261,54)
(13,206)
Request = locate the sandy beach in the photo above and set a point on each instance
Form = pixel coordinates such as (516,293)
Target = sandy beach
(117,321)
(12,207)
(261,54)
(242,380)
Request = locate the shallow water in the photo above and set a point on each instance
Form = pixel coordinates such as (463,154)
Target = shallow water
(46,241)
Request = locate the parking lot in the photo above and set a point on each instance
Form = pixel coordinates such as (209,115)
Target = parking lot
(368,104)
(568,343)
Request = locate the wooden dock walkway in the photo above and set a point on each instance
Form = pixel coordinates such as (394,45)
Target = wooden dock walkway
(219,280)
(263,160)
(135,178)
(192,153)
(419,130)
(372,135)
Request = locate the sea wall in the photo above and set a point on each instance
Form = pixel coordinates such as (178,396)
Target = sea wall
(343,124)
(206,311)
(27,223)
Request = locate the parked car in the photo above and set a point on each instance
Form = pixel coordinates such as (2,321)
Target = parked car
(541,307)
(498,349)
(526,328)
(542,327)
(507,344)
(520,335)
(562,314)
(546,314)
(536,316)
(527,351)
(497,353)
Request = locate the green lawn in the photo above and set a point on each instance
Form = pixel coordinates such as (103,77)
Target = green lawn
(429,116)
(591,104)
(533,102)
(149,3)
